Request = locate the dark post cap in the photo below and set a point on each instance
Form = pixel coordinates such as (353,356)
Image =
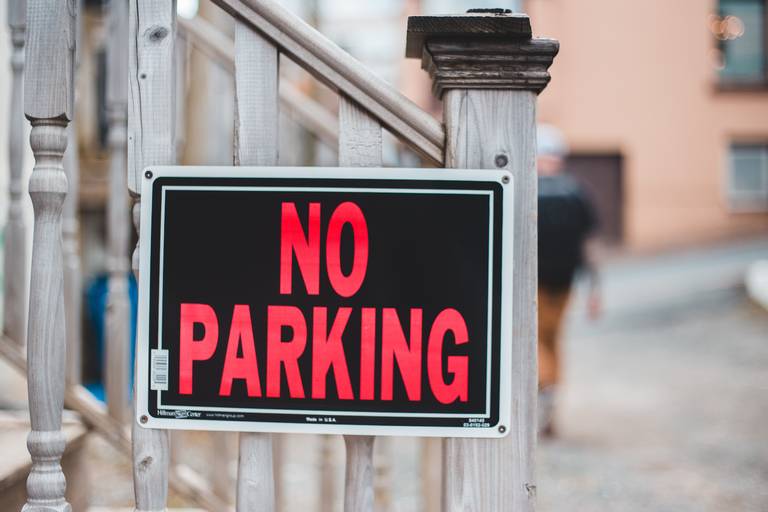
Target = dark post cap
(490,23)
(493,49)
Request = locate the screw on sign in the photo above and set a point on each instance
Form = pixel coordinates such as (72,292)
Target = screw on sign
(326,300)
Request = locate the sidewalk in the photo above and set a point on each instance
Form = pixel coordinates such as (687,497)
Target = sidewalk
(665,400)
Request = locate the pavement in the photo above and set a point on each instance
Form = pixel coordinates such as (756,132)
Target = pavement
(664,401)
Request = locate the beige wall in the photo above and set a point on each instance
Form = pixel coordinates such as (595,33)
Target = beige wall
(638,78)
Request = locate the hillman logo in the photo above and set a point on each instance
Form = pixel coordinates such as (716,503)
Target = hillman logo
(326,300)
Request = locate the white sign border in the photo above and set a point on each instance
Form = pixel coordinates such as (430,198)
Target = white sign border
(180,420)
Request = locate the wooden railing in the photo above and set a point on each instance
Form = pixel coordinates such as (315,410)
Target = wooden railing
(342,73)
(310,114)
(487,70)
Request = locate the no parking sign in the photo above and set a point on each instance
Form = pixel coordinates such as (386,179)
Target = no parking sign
(357,301)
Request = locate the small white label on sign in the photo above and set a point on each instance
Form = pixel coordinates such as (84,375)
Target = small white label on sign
(159,379)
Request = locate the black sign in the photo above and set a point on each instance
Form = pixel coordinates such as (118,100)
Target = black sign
(326,300)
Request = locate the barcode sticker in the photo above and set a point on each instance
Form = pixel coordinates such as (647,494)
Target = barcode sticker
(159,377)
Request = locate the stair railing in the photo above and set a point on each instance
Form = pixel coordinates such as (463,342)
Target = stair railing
(310,114)
(484,102)
(486,69)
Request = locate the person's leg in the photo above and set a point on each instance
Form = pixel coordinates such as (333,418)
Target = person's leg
(552,303)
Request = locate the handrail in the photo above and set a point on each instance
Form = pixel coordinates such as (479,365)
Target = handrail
(343,73)
(311,114)
(181,479)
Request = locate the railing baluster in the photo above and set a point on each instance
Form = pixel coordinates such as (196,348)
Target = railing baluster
(70,227)
(118,328)
(48,105)
(359,146)
(15,246)
(151,141)
(382,471)
(256,115)
(430,465)
(181,63)
(70,238)
(327,474)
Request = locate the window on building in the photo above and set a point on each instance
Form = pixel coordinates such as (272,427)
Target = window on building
(740,29)
(748,177)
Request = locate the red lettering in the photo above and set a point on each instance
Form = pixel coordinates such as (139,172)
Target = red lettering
(306,248)
(328,352)
(246,367)
(347,212)
(367,352)
(458,366)
(285,353)
(190,349)
(395,346)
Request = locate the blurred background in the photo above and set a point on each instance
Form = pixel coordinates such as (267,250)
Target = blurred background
(663,105)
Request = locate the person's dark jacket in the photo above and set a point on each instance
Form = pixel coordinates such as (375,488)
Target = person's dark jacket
(566,219)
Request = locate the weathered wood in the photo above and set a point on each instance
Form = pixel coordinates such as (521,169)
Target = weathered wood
(492,64)
(495,474)
(328,479)
(256,143)
(151,448)
(48,81)
(461,26)
(70,242)
(184,481)
(359,136)
(151,133)
(303,109)
(118,317)
(490,122)
(181,62)
(223,454)
(482,125)
(431,464)
(480,51)
(15,243)
(382,470)
(359,146)
(50,42)
(279,443)
(15,462)
(358,489)
(340,71)
(151,141)
(70,238)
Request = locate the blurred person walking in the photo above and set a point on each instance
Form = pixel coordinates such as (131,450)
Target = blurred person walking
(566,223)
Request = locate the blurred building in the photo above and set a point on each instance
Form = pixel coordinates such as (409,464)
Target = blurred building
(665,107)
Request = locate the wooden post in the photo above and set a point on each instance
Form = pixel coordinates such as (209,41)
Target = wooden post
(151,141)
(430,465)
(256,115)
(328,478)
(70,227)
(181,63)
(48,90)
(15,246)
(359,146)
(382,470)
(488,70)
(118,318)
